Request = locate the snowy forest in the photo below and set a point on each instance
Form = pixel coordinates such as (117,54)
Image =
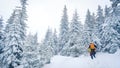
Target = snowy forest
(19,50)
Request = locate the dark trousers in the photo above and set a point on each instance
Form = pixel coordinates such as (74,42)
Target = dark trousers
(92,53)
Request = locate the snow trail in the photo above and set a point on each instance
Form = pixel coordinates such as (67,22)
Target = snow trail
(102,60)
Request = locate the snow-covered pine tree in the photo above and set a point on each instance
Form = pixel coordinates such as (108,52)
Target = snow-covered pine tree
(1,39)
(35,37)
(100,17)
(55,43)
(106,11)
(1,33)
(115,3)
(24,14)
(93,20)
(15,33)
(23,19)
(48,37)
(13,51)
(110,36)
(1,24)
(111,31)
(64,28)
(98,27)
(31,52)
(46,49)
(31,40)
(88,29)
(74,45)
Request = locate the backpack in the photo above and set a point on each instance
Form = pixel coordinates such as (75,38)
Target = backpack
(92,46)
(89,50)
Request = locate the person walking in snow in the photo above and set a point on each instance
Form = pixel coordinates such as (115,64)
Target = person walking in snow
(92,47)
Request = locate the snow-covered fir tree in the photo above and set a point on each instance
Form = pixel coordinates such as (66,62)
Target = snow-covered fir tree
(110,36)
(31,52)
(55,42)
(1,33)
(115,3)
(23,18)
(111,31)
(98,27)
(1,39)
(29,39)
(46,50)
(106,11)
(24,11)
(15,33)
(64,28)
(89,28)
(1,24)
(100,18)
(32,39)
(74,46)
(35,41)
(12,54)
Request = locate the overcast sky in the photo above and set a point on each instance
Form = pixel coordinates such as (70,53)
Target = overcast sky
(47,13)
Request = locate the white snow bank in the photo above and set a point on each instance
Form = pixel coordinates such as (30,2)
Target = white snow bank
(102,60)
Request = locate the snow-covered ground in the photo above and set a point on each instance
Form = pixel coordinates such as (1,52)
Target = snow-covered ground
(102,60)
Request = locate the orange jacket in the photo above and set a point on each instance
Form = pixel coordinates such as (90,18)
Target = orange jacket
(92,46)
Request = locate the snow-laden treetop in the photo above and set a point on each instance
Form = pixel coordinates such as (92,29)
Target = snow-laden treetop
(115,2)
